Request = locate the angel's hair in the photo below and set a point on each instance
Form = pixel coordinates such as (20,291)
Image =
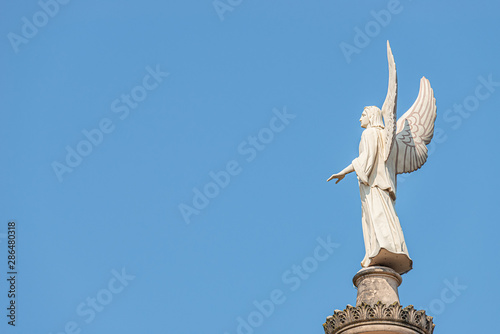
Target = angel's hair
(375,117)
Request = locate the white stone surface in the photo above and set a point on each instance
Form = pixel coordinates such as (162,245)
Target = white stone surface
(386,149)
(384,327)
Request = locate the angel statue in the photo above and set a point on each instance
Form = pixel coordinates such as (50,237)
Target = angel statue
(386,150)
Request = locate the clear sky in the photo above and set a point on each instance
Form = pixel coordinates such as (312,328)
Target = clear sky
(165,162)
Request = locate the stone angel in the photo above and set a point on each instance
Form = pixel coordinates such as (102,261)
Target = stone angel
(389,148)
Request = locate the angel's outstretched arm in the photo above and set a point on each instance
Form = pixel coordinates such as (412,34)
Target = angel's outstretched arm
(342,174)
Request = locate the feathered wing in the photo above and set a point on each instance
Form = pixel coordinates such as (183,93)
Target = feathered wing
(415,130)
(390,104)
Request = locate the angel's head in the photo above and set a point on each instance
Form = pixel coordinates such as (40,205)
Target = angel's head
(371,117)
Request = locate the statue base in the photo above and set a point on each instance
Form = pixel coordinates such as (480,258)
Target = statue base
(377,308)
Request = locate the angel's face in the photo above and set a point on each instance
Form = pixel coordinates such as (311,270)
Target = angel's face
(364,120)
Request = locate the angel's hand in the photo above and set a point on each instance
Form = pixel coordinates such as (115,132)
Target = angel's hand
(338,176)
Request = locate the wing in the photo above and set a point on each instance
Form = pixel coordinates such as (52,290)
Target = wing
(415,130)
(389,107)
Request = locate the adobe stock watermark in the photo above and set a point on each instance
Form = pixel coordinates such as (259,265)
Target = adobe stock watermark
(87,310)
(248,150)
(122,107)
(460,111)
(223,6)
(364,36)
(30,26)
(292,278)
(448,295)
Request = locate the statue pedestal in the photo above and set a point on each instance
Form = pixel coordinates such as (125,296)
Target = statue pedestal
(377,284)
(377,308)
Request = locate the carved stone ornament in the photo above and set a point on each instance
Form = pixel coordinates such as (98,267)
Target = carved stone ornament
(379,318)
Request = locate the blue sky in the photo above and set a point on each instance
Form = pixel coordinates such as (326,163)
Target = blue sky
(117,115)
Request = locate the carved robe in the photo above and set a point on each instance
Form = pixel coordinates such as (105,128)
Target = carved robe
(382,233)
